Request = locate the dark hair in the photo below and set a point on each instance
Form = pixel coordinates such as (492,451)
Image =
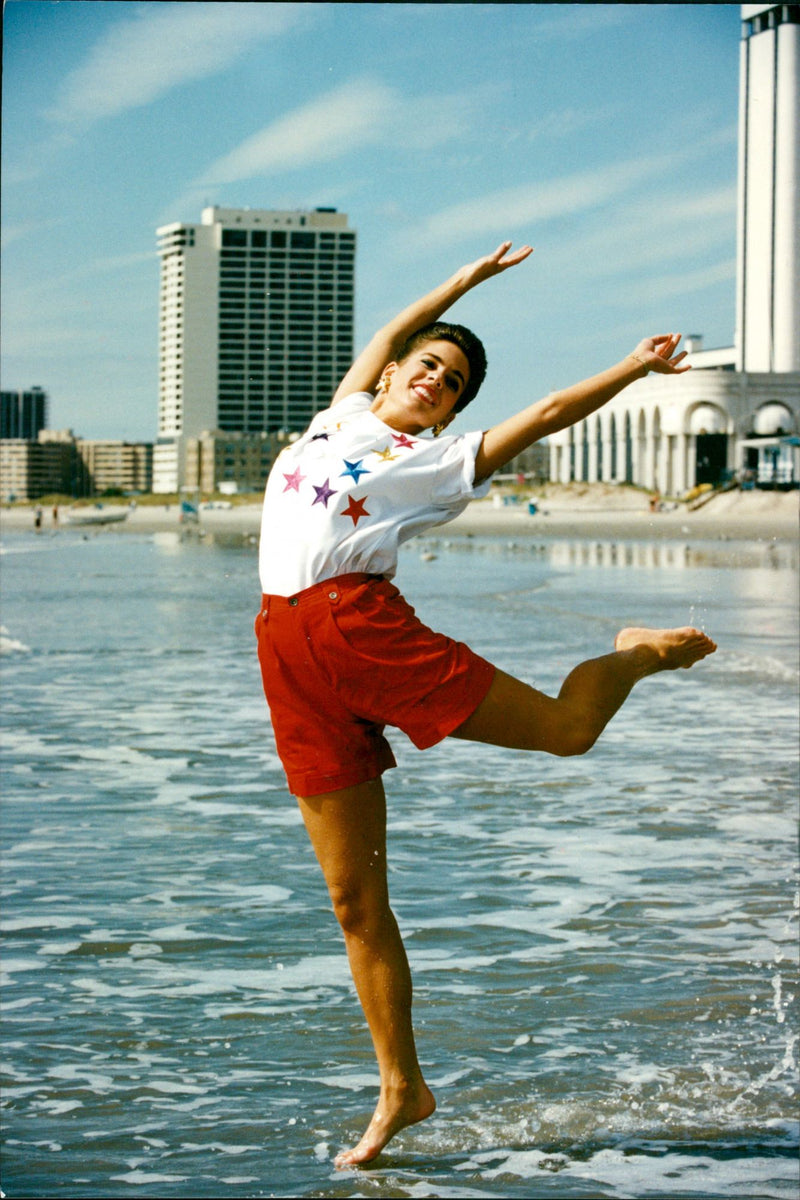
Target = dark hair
(470,345)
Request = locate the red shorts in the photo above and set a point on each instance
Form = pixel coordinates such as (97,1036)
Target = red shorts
(344,658)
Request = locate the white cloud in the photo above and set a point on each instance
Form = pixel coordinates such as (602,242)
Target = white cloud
(163,46)
(650,231)
(18,230)
(340,121)
(681,283)
(531,204)
(568,121)
(362,112)
(564,21)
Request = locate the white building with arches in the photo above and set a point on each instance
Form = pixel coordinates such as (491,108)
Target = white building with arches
(738,411)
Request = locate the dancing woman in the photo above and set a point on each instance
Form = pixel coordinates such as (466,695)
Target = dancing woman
(343,655)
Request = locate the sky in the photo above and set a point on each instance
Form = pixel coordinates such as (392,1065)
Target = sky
(604,135)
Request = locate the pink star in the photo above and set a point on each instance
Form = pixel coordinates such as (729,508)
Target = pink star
(402,440)
(355,509)
(324,493)
(293,481)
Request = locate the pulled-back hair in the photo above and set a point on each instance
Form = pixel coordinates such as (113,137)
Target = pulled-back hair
(470,346)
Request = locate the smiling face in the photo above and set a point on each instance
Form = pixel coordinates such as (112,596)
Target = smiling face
(423,388)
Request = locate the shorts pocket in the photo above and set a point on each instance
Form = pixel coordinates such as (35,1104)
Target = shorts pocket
(373,619)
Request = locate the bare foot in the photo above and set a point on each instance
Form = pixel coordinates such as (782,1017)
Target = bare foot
(394,1112)
(666,649)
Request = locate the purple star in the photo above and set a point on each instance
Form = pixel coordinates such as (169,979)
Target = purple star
(320,437)
(324,493)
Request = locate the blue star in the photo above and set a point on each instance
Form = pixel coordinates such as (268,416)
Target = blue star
(320,437)
(355,469)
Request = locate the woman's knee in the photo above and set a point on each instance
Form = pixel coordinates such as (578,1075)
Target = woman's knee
(358,906)
(576,744)
(573,739)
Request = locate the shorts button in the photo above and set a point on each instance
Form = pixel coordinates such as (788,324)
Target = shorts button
(294,601)
(333,595)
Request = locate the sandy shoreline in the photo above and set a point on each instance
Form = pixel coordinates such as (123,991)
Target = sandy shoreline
(593,512)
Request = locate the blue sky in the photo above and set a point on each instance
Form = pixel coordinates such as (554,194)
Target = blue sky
(603,135)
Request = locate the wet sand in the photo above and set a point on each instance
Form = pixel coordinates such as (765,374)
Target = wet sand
(579,511)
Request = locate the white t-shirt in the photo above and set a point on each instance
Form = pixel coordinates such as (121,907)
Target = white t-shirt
(346,494)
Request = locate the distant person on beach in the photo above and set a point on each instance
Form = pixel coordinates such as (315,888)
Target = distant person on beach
(343,655)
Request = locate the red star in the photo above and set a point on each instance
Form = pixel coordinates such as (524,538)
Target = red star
(402,440)
(355,509)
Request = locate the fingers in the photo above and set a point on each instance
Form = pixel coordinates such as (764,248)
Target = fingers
(502,258)
(666,363)
(511,260)
(662,341)
(664,345)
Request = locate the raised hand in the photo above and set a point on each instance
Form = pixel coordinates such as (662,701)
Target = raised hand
(658,354)
(493,264)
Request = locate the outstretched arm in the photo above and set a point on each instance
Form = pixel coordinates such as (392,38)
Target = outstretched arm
(365,372)
(561,409)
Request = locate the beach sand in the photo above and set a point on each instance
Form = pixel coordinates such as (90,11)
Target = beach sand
(568,511)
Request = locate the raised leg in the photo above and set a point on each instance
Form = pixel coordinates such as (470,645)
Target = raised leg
(516,715)
(348,832)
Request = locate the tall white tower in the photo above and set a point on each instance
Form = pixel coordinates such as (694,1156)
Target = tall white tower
(768,274)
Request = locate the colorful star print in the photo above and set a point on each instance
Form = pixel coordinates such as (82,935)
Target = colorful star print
(293,481)
(402,440)
(320,437)
(324,493)
(386,454)
(355,469)
(355,509)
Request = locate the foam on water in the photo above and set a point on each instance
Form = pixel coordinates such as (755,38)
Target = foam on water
(10,645)
(604,949)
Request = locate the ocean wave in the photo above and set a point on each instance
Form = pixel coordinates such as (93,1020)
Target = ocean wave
(760,666)
(10,645)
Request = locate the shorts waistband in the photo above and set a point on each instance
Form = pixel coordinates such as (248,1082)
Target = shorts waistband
(329,590)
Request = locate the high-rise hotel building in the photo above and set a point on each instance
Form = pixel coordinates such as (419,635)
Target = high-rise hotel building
(255,325)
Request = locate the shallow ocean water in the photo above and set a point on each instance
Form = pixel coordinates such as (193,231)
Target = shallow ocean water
(604,949)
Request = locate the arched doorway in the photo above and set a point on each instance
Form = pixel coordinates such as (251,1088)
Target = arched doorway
(770,454)
(709,426)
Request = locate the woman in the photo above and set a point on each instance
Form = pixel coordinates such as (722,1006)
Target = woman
(342,654)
